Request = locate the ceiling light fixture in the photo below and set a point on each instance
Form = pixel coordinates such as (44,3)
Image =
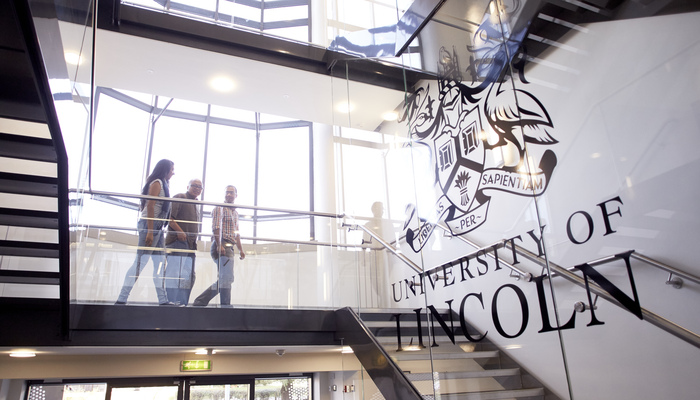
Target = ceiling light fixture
(73,58)
(345,107)
(22,354)
(390,116)
(222,84)
(205,352)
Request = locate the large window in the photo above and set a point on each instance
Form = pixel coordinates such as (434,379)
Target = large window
(288,19)
(266,157)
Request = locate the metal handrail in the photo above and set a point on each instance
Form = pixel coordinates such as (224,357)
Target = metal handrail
(653,318)
(386,245)
(667,268)
(209,203)
(262,239)
(673,271)
(526,275)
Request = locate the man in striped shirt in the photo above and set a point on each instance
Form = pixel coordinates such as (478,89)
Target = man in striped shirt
(225,229)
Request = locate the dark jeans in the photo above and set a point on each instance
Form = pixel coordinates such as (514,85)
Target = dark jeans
(222,286)
(179,272)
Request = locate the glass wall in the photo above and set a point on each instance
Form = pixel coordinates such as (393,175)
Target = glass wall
(199,388)
(543,199)
(513,198)
(266,157)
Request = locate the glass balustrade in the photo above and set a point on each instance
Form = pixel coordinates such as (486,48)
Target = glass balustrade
(275,273)
(419,203)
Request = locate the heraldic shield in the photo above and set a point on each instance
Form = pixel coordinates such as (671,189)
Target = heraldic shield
(459,160)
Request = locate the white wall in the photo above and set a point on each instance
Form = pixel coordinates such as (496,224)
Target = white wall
(623,97)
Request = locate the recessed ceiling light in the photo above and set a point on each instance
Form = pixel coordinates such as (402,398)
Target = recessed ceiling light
(390,116)
(23,354)
(73,58)
(345,107)
(222,84)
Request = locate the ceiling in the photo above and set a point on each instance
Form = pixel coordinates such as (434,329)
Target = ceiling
(135,63)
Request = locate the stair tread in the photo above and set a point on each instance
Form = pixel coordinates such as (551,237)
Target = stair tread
(492,395)
(27,148)
(444,356)
(30,277)
(17,248)
(406,339)
(487,373)
(28,218)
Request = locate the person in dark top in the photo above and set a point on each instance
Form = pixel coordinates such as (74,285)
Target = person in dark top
(181,244)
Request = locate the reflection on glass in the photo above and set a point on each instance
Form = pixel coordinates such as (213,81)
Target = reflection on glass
(145,393)
(220,392)
(283,389)
(68,392)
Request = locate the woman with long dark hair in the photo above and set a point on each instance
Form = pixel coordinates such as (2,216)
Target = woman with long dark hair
(154,214)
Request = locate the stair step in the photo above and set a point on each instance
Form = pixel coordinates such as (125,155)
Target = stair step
(17,248)
(390,340)
(28,184)
(19,166)
(28,218)
(487,373)
(24,128)
(494,395)
(361,312)
(413,356)
(27,148)
(29,277)
(464,370)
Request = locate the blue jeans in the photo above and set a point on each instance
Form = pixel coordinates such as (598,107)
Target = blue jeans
(222,286)
(179,273)
(156,253)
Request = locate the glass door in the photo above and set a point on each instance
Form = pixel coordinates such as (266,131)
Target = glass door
(222,391)
(169,392)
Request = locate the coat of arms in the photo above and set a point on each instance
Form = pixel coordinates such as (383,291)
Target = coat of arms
(476,133)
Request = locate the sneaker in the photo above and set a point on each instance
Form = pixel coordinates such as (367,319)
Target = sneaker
(168,303)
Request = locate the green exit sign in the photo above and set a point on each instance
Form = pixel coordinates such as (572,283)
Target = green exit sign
(195,365)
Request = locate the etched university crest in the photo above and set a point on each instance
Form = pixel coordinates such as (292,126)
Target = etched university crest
(476,131)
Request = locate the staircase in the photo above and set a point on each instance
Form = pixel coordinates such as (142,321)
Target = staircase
(463,371)
(34,236)
(553,19)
